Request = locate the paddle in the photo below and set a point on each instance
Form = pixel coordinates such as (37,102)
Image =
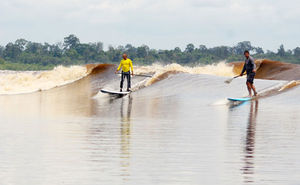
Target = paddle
(139,75)
(230,80)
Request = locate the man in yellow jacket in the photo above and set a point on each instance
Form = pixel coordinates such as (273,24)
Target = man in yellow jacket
(126,65)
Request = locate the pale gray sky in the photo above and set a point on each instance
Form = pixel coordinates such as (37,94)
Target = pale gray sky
(160,24)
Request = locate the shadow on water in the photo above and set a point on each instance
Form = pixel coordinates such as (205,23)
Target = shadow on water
(248,169)
(125,114)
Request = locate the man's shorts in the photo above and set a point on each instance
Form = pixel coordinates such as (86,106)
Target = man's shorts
(250,77)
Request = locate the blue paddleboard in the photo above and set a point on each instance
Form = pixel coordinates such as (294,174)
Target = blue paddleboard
(240,99)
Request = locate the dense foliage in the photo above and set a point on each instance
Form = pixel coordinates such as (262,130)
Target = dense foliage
(26,55)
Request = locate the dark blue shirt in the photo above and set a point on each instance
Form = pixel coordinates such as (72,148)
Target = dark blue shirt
(249,65)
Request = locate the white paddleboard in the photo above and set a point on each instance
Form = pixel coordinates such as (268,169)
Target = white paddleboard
(114,92)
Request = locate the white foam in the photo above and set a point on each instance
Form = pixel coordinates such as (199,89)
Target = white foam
(26,82)
(221,102)
(219,69)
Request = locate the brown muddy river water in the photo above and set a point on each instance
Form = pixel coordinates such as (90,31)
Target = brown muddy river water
(176,128)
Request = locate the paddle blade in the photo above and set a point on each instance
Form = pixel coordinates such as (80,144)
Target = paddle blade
(229,80)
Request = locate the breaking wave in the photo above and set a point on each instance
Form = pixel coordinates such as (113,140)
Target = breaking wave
(272,70)
(99,75)
(161,72)
(27,82)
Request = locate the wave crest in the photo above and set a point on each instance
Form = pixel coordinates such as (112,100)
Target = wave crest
(27,82)
(161,72)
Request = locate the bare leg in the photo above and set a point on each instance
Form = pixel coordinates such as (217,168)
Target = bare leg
(249,88)
(253,88)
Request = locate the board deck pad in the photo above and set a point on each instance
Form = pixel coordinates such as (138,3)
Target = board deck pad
(114,92)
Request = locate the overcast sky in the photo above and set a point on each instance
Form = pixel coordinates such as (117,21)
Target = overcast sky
(160,24)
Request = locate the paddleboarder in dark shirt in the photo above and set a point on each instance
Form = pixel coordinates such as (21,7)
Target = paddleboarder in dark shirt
(249,67)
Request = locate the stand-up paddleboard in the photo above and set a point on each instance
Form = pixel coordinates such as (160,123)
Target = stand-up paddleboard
(118,93)
(240,99)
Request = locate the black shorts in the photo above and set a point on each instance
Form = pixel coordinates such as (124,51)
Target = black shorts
(250,77)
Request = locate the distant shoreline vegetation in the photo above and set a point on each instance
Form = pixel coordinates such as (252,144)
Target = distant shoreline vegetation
(27,55)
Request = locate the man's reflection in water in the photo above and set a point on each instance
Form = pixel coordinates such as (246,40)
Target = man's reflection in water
(125,109)
(248,169)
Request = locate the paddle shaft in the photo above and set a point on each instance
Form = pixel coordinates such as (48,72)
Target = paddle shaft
(139,75)
(236,76)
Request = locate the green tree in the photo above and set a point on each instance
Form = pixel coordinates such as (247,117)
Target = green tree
(21,43)
(33,47)
(26,55)
(297,51)
(2,61)
(177,50)
(241,47)
(221,51)
(281,51)
(142,51)
(131,51)
(55,51)
(202,48)
(259,50)
(71,41)
(86,51)
(98,46)
(1,51)
(189,48)
(72,53)
(11,51)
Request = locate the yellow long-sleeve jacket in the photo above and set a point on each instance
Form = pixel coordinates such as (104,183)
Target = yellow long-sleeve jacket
(126,65)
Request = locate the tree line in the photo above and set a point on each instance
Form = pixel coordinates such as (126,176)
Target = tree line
(27,55)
